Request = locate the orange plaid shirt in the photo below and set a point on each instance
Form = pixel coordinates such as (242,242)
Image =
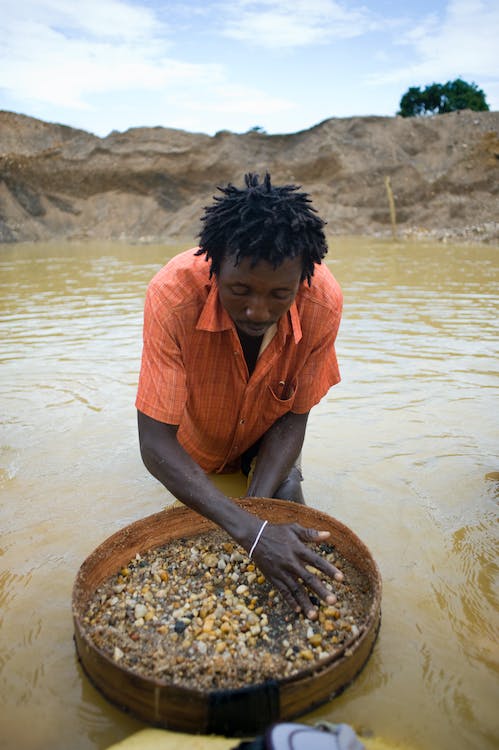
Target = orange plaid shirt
(194,374)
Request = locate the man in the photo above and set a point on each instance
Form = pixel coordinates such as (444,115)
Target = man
(238,346)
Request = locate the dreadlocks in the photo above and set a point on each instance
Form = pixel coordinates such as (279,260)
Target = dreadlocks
(262,222)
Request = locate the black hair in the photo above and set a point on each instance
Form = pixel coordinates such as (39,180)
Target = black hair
(262,222)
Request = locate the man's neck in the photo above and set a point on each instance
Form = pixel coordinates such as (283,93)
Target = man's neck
(251,348)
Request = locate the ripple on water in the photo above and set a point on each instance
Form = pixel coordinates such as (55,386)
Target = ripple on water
(20,630)
(475,621)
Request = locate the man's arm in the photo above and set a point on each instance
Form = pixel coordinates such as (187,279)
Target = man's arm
(167,460)
(281,553)
(278,452)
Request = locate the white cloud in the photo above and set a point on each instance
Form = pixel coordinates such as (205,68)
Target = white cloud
(65,58)
(62,56)
(281,24)
(92,18)
(462,43)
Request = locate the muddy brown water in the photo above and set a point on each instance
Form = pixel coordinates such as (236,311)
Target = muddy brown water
(404,451)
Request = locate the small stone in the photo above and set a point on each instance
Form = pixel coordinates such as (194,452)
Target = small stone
(139,611)
(307,655)
(332,612)
(211,561)
(315,639)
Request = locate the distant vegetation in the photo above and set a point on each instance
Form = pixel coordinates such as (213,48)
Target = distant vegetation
(442,97)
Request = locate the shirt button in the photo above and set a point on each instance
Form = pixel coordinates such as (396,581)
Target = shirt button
(242,421)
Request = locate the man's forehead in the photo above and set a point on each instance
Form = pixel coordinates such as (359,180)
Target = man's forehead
(242,266)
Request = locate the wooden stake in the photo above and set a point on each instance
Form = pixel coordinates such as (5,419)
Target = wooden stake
(391,203)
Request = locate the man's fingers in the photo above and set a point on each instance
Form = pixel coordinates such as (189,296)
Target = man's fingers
(302,600)
(297,597)
(297,570)
(321,565)
(311,535)
(289,594)
(319,587)
(315,535)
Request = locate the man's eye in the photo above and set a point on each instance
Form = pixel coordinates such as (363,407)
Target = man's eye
(239,291)
(282,294)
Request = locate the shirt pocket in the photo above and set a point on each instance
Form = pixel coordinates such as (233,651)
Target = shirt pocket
(280,398)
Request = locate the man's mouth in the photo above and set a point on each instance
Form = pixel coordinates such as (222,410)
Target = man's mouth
(252,329)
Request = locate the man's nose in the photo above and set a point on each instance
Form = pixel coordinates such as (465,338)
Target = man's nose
(257,310)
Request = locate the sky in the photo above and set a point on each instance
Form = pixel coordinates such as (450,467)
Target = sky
(210,65)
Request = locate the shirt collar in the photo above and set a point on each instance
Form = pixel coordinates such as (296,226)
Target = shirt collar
(214,317)
(295,322)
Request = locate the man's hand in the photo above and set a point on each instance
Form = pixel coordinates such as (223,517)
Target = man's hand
(283,557)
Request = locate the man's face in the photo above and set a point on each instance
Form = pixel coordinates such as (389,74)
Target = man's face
(257,297)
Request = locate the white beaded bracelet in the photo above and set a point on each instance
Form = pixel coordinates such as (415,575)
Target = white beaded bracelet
(257,538)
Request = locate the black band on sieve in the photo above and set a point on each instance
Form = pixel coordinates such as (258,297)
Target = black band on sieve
(243,711)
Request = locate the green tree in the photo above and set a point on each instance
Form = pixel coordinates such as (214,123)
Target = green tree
(438,98)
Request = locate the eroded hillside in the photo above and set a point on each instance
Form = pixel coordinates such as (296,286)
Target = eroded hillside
(150,184)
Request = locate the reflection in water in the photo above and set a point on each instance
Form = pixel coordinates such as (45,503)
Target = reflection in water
(403,450)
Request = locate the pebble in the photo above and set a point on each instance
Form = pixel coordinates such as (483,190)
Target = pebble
(198,614)
(139,611)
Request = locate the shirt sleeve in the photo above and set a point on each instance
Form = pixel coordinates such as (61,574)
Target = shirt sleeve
(162,391)
(320,370)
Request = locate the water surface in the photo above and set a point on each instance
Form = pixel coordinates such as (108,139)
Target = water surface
(403,451)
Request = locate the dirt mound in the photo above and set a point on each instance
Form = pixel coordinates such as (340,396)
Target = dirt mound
(150,184)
